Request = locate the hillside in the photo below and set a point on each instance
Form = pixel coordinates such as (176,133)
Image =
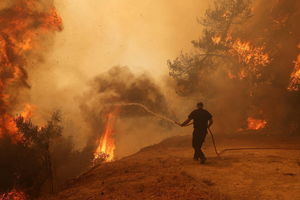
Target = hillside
(167,171)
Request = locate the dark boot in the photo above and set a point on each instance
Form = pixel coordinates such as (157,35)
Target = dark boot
(196,154)
(202,157)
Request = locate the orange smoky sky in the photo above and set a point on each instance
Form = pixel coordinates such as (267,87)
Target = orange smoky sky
(140,34)
(99,34)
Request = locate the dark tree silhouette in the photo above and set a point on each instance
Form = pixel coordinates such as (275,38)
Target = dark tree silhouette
(26,165)
(191,70)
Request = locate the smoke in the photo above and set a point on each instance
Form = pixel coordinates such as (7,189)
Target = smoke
(55,73)
(27,29)
(142,35)
(234,88)
(120,87)
(24,26)
(276,27)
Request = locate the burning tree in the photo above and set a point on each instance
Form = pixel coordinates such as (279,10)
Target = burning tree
(25,26)
(238,66)
(23,23)
(191,71)
(26,164)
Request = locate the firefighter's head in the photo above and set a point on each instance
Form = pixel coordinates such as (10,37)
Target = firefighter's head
(199,105)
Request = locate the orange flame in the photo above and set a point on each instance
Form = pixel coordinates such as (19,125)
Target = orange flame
(216,39)
(249,54)
(256,124)
(28,111)
(13,195)
(294,84)
(106,148)
(241,75)
(22,25)
(9,126)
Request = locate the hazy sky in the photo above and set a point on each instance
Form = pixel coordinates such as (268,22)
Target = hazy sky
(140,34)
(98,34)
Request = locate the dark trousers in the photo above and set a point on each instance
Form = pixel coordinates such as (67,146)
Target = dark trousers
(198,139)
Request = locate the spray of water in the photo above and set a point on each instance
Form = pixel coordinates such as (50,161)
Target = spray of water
(147,110)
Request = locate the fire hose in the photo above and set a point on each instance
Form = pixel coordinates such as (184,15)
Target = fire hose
(212,135)
(244,148)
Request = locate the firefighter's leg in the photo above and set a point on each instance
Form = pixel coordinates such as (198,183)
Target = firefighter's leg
(201,154)
(196,145)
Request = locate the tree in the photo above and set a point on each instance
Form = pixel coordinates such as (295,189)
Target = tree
(215,45)
(26,165)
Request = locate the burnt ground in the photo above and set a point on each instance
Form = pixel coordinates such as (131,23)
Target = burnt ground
(167,171)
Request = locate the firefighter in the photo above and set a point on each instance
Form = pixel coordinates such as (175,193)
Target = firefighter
(202,120)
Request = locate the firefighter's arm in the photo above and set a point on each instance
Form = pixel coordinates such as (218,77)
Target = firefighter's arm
(185,123)
(210,122)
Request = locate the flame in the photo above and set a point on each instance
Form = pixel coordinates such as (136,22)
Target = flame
(256,124)
(22,26)
(9,126)
(106,148)
(28,111)
(294,84)
(241,75)
(216,39)
(246,53)
(249,54)
(13,195)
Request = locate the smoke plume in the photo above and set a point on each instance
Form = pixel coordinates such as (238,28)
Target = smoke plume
(119,87)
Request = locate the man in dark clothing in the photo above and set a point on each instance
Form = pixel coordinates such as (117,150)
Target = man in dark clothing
(202,120)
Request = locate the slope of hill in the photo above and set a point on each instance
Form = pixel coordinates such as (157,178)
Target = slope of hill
(167,171)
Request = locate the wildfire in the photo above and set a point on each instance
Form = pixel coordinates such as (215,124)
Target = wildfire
(294,84)
(13,195)
(106,148)
(22,26)
(244,51)
(256,124)
(241,75)
(249,54)
(28,111)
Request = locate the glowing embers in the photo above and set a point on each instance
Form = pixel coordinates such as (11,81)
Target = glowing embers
(294,84)
(256,124)
(13,195)
(106,147)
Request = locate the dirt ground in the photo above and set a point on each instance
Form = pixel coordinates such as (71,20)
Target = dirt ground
(167,171)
